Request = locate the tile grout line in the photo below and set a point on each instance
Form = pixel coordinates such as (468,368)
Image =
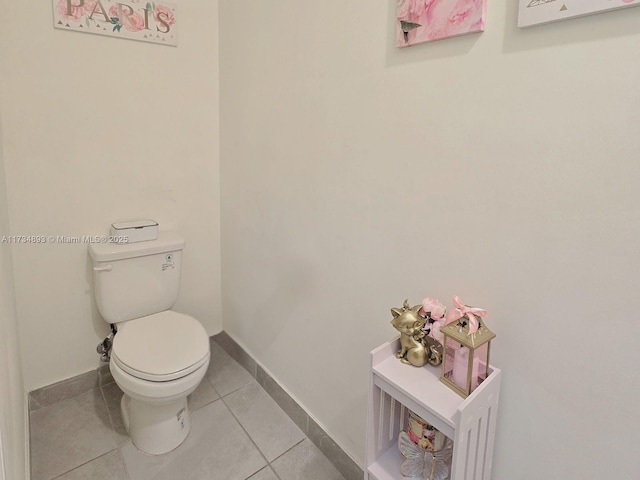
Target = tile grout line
(222,397)
(225,340)
(126,469)
(269,463)
(284,453)
(249,436)
(113,431)
(83,464)
(206,378)
(113,428)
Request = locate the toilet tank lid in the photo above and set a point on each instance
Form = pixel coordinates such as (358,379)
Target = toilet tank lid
(106,252)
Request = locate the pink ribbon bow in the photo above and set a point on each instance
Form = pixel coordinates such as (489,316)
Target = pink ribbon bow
(461,310)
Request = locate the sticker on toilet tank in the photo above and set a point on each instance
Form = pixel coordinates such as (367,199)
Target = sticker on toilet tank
(180,417)
(168,262)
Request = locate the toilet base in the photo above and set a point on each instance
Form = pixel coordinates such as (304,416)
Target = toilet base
(156,428)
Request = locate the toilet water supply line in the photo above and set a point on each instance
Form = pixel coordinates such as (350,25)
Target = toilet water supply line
(104,347)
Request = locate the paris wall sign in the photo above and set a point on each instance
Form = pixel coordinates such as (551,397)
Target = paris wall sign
(142,20)
(534,12)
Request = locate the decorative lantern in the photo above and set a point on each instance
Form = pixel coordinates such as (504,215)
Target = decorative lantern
(466,355)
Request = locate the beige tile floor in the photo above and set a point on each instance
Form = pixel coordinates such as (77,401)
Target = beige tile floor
(238,432)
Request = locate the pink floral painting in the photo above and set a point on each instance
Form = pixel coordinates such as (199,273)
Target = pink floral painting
(427,20)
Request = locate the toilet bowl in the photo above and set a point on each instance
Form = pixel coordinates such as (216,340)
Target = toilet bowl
(158,356)
(157,361)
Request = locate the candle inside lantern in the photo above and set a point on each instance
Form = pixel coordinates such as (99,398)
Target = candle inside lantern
(460,364)
(475,373)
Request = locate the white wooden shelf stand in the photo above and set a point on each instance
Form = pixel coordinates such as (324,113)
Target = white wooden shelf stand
(396,388)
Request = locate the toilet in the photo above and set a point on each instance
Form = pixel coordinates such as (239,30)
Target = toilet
(158,356)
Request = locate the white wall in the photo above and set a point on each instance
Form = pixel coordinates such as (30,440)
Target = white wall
(501,167)
(13,415)
(98,130)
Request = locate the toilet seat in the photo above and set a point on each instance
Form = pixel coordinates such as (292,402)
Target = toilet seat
(161,347)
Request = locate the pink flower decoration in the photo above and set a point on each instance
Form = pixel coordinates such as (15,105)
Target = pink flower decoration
(75,13)
(434,308)
(129,19)
(436,311)
(134,23)
(167,14)
(435,331)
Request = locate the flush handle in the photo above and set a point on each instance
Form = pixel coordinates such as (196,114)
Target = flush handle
(106,268)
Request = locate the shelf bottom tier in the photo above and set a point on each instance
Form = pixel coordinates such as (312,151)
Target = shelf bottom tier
(387,466)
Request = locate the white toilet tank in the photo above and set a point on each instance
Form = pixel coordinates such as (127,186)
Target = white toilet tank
(137,279)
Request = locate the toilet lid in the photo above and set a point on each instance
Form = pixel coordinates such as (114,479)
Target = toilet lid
(160,347)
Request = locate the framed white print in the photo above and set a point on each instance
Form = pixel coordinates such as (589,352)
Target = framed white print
(534,12)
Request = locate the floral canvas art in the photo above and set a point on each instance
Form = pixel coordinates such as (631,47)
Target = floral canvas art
(132,19)
(427,20)
(534,12)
